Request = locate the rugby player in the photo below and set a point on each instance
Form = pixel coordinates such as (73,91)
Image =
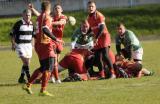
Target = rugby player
(102,39)
(44,49)
(21,39)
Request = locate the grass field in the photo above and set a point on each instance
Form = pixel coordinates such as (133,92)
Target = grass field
(118,91)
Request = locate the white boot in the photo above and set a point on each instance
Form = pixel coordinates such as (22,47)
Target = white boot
(53,80)
(58,81)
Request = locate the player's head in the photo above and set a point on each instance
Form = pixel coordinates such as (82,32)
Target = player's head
(91,5)
(57,9)
(121,29)
(84,27)
(27,15)
(46,6)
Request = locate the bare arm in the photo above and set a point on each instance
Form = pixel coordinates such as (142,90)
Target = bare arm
(34,11)
(60,22)
(13,43)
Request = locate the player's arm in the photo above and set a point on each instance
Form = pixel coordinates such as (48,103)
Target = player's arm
(75,35)
(13,33)
(74,38)
(33,36)
(101,26)
(100,30)
(48,33)
(13,42)
(118,49)
(60,22)
(130,45)
(34,11)
(118,45)
(130,52)
(45,28)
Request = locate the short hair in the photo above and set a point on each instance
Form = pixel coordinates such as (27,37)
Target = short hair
(120,24)
(90,2)
(27,11)
(84,22)
(58,4)
(45,5)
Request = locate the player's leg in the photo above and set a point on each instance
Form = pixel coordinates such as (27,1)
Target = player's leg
(47,66)
(31,80)
(25,53)
(137,56)
(100,64)
(25,67)
(21,78)
(107,60)
(55,70)
(55,74)
(89,62)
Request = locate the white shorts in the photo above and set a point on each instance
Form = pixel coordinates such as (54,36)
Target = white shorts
(24,49)
(138,54)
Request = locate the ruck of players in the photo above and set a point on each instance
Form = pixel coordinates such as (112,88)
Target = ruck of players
(90,56)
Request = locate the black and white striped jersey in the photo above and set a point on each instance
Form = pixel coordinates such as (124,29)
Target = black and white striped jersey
(23,32)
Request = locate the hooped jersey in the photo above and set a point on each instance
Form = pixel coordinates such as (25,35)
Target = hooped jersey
(23,32)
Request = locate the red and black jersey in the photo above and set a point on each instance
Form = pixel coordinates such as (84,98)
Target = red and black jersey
(95,20)
(44,50)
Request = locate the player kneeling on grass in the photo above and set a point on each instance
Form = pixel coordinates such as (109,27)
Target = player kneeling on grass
(21,38)
(82,37)
(74,62)
(132,48)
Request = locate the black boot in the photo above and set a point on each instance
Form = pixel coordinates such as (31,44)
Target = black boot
(21,79)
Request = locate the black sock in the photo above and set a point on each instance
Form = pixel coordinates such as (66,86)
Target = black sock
(26,69)
(22,73)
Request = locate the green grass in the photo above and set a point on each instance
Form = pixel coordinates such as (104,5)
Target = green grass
(143,20)
(119,91)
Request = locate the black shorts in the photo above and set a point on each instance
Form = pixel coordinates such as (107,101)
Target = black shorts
(47,64)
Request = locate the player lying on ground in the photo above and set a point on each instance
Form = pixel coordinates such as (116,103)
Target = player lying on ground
(128,69)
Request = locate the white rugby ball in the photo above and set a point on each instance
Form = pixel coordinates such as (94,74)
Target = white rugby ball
(72,20)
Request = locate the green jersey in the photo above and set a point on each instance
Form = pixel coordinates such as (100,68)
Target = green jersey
(129,39)
(80,38)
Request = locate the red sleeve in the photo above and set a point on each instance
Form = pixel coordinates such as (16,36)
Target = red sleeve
(100,18)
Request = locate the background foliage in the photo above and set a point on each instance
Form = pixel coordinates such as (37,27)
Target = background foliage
(143,20)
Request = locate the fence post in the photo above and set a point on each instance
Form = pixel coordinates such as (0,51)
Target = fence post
(131,3)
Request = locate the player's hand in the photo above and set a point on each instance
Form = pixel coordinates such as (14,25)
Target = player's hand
(96,41)
(59,41)
(30,6)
